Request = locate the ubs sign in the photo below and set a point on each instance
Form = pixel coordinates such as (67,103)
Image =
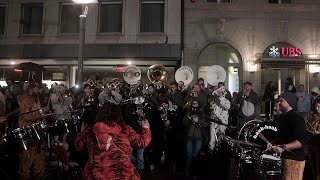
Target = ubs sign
(282,50)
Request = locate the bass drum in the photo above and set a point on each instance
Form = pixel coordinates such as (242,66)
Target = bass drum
(269,129)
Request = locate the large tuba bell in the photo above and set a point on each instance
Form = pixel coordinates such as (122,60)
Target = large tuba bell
(132,74)
(184,74)
(216,74)
(156,73)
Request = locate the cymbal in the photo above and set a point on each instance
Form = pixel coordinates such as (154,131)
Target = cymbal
(243,142)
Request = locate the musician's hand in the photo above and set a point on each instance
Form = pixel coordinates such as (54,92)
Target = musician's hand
(317,132)
(145,123)
(269,146)
(167,123)
(195,119)
(2,119)
(83,126)
(277,149)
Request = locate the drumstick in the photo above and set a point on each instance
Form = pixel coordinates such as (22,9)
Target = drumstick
(263,138)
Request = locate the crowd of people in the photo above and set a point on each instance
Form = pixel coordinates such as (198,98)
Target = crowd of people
(120,125)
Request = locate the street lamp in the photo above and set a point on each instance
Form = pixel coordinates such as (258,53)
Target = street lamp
(82,31)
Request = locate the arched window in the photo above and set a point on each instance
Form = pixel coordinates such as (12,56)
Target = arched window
(226,56)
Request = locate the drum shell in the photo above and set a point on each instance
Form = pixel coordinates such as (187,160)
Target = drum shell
(270,165)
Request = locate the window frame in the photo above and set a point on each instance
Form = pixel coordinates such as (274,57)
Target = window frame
(165,3)
(5,20)
(22,10)
(59,20)
(122,18)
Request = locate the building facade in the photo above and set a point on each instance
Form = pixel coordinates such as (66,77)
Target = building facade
(118,32)
(254,40)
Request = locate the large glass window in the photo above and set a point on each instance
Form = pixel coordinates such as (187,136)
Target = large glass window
(69,18)
(32,18)
(2,18)
(152,16)
(111,17)
(226,56)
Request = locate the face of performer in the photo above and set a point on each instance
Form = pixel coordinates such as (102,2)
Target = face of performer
(195,104)
(247,87)
(317,107)
(139,83)
(196,88)
(87,90)
(151,89)
(173,88)
(35,92)
(283,105)
(219,93)
(210,88)
(180,85)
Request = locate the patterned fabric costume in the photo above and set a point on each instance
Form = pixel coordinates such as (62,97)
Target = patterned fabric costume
(314,147)
(32,161)
(109,151)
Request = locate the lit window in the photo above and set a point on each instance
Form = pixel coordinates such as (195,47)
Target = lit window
(32,18)
(111,17)
(152,16)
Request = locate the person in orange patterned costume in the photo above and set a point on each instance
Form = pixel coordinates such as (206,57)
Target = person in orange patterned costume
(109,142)
(31,161)
(314,141)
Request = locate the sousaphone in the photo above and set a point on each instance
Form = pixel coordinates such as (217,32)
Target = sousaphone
(215,74)
(184,74)
(132,74)
(156,73)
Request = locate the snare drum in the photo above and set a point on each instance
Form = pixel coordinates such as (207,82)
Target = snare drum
(270,164)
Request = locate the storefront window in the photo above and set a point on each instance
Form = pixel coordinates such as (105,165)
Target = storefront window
(226,56)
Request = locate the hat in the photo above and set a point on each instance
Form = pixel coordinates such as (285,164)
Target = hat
(291,98)
(247,83)
(315,90)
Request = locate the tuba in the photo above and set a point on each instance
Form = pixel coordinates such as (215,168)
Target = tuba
(156,73)
(215,74)
(184,74)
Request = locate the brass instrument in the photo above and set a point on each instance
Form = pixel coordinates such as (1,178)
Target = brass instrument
(164,115)
(156,73)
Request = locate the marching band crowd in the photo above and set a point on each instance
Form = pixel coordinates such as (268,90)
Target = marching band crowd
(119,124)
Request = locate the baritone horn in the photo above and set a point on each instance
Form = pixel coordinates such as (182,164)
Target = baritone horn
(156,73)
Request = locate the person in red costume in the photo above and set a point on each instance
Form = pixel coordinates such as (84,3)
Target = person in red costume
(109,143)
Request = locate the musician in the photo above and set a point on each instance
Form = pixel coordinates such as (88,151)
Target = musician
(248,102)
(292,138)
(11,93)
(184,90)
(32,161)
(61,110)
(201,83)
(60,102)
(219,111)
(193,123)
(314,141)
(197,93)
(110,93)
(228,94)
(89,102)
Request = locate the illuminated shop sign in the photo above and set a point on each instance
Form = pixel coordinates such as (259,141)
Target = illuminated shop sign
(282,50)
